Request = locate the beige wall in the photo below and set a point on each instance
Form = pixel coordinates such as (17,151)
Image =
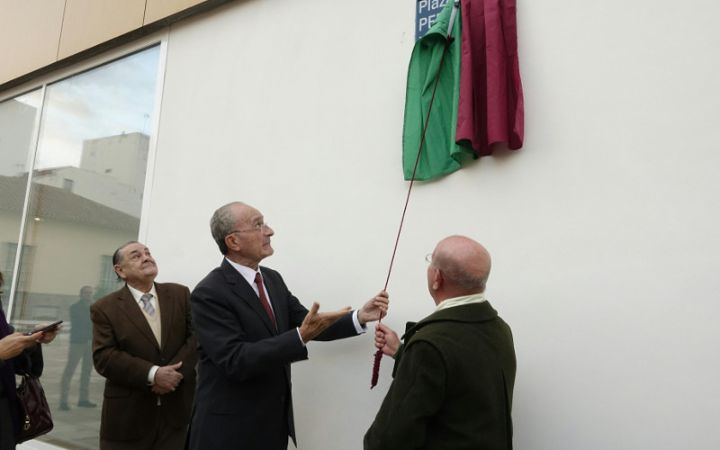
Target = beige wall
(90,22)
(37,33)
(29,35)
(159,9)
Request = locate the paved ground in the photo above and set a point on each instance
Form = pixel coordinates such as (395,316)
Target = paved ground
(37,445)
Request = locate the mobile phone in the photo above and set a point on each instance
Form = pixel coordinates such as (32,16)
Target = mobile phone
(50,327)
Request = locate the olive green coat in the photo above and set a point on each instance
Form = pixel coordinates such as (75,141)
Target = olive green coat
(453,385)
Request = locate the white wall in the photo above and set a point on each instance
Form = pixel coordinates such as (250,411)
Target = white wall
(603,228)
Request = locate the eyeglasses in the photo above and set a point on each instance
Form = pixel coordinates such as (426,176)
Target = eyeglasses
(428,258)
(260,226)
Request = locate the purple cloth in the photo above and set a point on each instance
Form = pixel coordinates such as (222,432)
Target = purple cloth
(490,107)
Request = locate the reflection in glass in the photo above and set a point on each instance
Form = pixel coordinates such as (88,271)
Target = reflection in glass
(17,123)
(85,201)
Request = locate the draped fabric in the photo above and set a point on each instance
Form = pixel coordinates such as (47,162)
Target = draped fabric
(440,154)
(490,108)
(479,99)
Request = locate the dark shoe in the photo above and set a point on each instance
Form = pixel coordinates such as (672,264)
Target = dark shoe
(64,407)
(86,404)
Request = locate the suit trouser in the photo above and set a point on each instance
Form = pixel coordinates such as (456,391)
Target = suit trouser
(7,433)
(164,437)
(214,439)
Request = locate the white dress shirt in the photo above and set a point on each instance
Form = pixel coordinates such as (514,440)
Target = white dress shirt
(154,301)
(249,274)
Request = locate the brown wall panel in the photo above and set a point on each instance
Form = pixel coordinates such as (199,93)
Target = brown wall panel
(37,36)
(29,35)
(159,9)
(90,22)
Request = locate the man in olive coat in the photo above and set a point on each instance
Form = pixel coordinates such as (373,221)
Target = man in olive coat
(454,374)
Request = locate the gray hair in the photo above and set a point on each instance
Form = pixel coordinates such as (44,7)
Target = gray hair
(222,223)
(117,257)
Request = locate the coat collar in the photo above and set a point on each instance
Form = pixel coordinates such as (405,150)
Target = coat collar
(167,311)
(472,313)
(475,312)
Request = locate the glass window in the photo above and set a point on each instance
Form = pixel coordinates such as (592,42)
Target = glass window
(84,201)
(17,124)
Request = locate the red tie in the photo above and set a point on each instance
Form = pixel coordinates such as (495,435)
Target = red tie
(263,298)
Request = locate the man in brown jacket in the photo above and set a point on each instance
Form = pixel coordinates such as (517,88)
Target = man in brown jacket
(144,346)
(454,374)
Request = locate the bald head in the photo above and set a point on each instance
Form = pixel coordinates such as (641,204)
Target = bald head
(464,263)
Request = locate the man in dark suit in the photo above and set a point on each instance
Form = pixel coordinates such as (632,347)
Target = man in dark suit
(454,375)
(80,349)
(144,346)
(250,328)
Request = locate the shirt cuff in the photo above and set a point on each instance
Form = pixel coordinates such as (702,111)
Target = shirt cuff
(360,329)
(151,375)
(300,336)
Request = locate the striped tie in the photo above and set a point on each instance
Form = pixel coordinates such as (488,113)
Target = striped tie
(147,305)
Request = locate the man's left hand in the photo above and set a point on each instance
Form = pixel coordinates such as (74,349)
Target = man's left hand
(167,379)
(374,309)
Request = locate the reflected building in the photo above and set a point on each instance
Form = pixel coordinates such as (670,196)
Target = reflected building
(65,231)
(122,158)
(92,207)
(20,117)
(111,172)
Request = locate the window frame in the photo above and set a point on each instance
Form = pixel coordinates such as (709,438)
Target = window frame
(159,39)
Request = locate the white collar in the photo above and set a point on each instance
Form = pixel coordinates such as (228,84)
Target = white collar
(137,294)
(247,272)
(459,301)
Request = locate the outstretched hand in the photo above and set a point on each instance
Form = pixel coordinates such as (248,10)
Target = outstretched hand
(375,309)
(316,322)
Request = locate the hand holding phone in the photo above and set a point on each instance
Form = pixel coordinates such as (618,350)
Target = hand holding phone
(50,327)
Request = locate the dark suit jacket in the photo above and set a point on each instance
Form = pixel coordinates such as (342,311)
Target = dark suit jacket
(29,361)
(80,324)
(244,401)
(453,385)
(124,350)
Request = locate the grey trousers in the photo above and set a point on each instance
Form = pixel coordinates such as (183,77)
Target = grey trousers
(76,352)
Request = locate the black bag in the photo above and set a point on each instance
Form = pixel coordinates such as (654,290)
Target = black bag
(35,418)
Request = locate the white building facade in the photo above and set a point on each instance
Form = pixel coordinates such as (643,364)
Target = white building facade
(602,228)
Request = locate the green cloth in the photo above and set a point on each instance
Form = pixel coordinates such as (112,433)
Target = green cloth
(440,154)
